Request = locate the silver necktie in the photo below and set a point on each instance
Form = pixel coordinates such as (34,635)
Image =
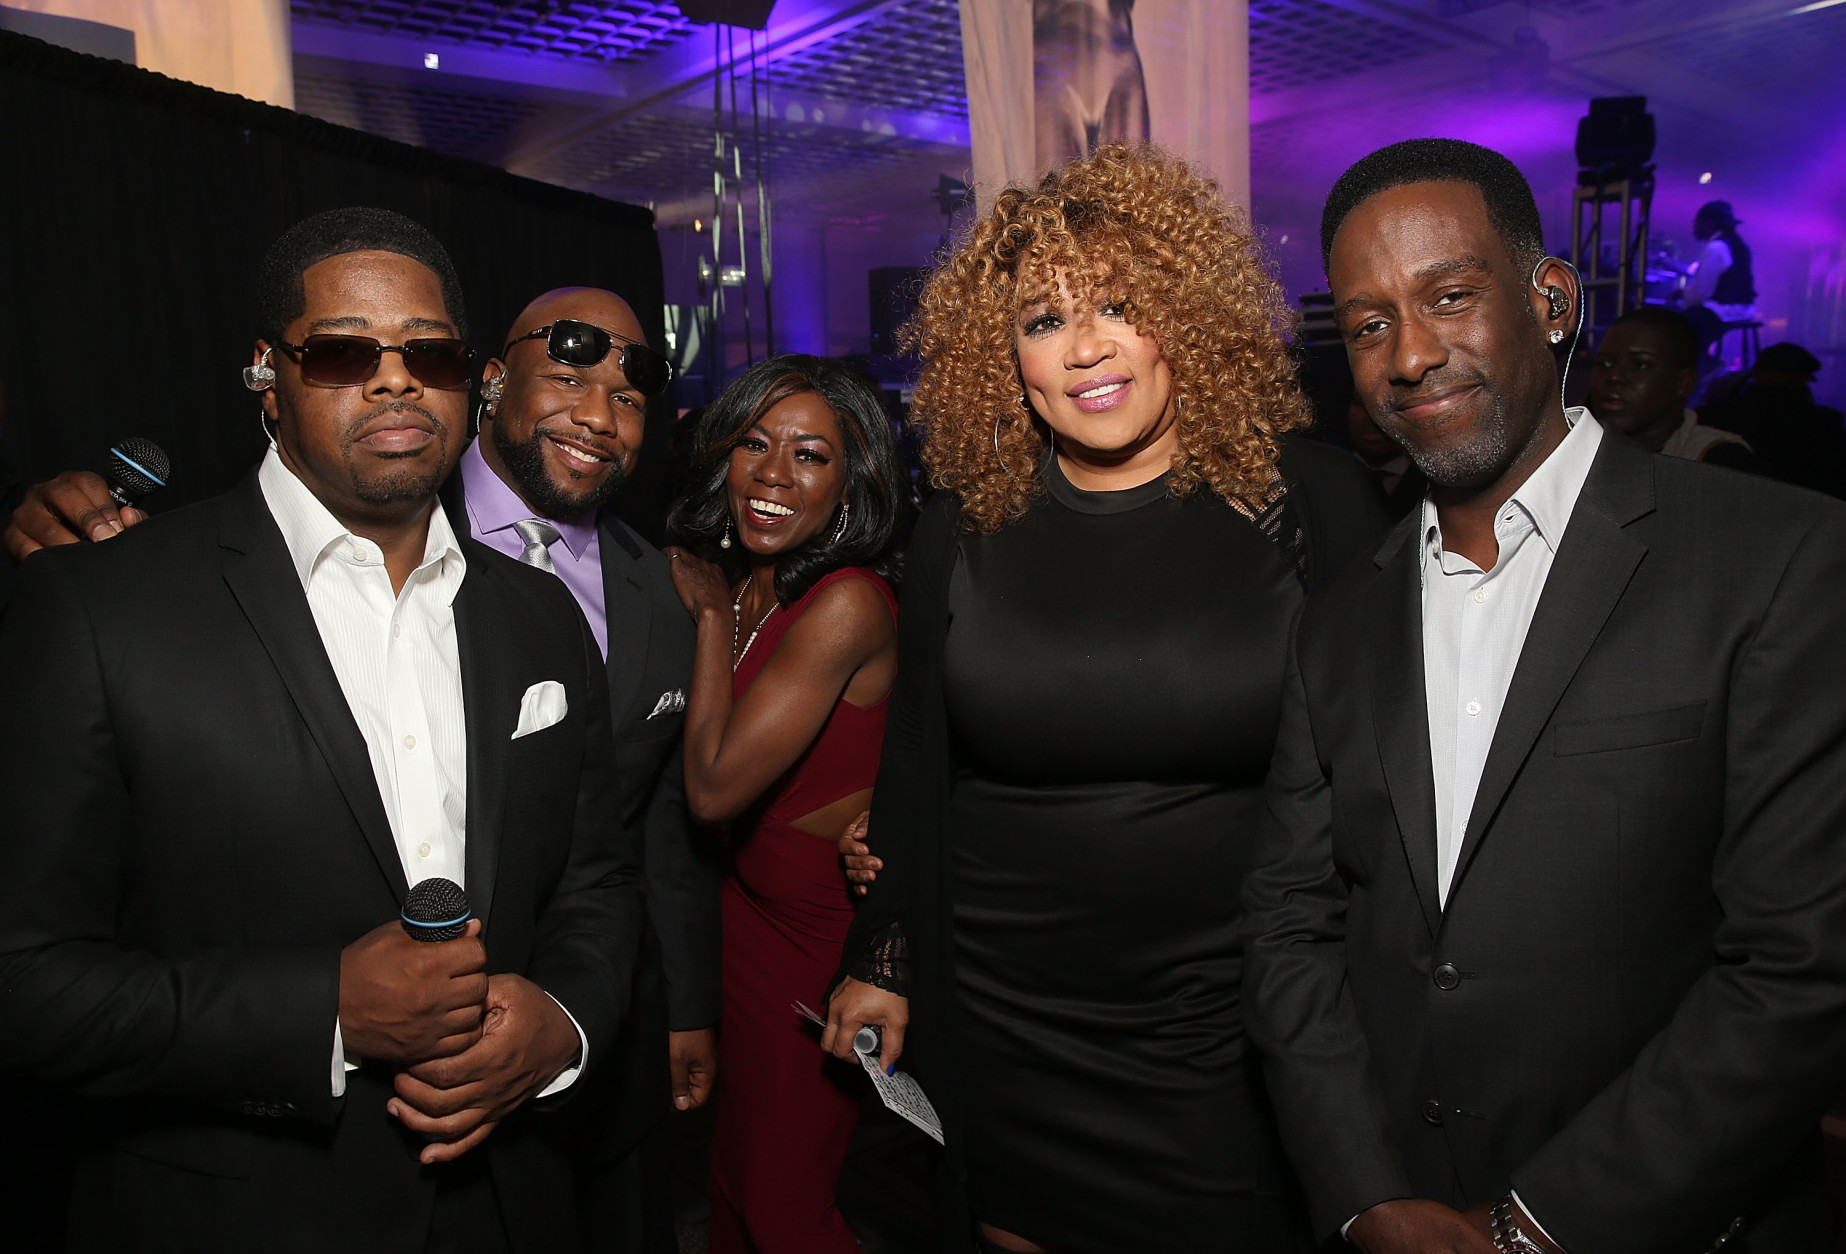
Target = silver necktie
(538,535)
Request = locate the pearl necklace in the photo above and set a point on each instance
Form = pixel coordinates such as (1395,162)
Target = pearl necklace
(737,623)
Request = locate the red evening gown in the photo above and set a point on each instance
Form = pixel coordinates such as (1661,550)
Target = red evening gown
(786,1110)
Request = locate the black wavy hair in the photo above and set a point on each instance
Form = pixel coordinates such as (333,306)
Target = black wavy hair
(876,488)
(1682,337)
(280,295)
(1510,207)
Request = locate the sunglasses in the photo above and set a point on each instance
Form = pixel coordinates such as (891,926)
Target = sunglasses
(344,361)
(576,343)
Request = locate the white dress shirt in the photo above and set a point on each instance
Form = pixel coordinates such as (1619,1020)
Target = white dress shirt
(1475,622)
(1474,628)
(399,667)
(1713,261)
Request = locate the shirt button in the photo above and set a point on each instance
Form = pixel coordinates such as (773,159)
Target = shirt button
(1480,596)
(410,742)
(423,850)
(358,554)
(1474,707)
(396,630)
(1432,1112)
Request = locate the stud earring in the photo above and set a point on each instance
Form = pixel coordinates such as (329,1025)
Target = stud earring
(725,541)
(840,530)
(1556,336)
(262,376)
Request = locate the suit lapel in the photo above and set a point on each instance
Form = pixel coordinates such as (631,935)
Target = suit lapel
(626,608)
(1400,712)
(1594,563)
(262,578)
(490,701)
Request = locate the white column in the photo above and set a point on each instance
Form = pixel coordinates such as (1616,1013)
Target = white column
(1195,69)
(240,46)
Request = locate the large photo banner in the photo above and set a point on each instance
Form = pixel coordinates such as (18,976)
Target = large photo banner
(1049,80)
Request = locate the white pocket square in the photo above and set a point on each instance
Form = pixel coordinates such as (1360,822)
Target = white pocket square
(670,703)
(542,706)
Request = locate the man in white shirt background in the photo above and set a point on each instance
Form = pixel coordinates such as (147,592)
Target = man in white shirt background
(1546,934)
(235,738)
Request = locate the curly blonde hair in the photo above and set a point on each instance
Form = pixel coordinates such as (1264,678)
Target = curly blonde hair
(1146,229)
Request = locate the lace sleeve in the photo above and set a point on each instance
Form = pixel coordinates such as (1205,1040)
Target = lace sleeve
(885,961)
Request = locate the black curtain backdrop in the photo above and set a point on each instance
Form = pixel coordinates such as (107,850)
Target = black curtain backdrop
(134,208)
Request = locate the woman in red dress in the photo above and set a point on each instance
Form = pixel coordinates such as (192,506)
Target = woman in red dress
(796,504)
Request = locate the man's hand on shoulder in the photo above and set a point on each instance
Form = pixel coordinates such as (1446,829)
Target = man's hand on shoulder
(71,508)
(1416,1226)
(694,1059)
(526,1040)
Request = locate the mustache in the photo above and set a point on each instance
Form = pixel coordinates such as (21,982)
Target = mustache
(356,428)
(1399,398)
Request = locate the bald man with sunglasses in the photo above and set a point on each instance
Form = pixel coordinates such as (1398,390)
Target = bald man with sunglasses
(563,407)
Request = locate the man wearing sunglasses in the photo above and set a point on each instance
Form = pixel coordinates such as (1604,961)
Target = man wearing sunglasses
(561,424)
(229,743)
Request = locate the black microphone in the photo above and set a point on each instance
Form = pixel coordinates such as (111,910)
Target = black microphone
(136,468)
(436,910)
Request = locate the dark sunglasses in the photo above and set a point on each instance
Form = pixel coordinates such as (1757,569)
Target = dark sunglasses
(576,343)
(343,361)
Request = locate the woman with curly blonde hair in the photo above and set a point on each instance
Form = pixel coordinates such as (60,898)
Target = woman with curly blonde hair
(1090,665)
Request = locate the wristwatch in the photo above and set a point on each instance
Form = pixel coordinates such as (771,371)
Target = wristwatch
(1508,1236)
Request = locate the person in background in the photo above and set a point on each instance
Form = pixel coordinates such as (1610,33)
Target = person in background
(1643,373)
(1097,604)
(1798,441)
(1723,284)
(790,532)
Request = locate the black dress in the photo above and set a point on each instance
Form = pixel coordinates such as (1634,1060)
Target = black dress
(1085,707)
(1113,678)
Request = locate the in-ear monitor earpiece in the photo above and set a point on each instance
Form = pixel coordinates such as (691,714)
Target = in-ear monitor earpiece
(262,376)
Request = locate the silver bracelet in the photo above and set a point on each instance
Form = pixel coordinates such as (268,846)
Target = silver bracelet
(1508,1236)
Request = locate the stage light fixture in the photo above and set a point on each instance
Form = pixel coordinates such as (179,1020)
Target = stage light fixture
(432,61)
(1616,140)
(1704,178)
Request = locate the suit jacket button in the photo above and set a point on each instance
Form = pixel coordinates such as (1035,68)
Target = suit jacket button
(1432,1113)
(1447,978)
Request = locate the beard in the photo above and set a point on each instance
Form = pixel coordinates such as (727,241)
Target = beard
(525,462)
(1482,453)
(408,483)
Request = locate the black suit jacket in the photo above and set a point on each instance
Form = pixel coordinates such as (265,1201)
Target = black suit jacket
(192,832)
(1633,1008)
(651,641)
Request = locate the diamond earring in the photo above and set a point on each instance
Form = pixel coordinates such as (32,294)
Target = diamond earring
(1556,336)
(840,530)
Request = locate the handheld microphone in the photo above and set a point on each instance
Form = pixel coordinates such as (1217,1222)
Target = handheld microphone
(136,468)
(436,910)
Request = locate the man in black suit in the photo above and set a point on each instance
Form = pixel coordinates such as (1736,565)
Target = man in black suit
(234,737)
(1546,937)
(562,422)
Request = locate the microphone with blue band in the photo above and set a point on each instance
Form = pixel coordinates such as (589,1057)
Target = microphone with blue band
(137,467)
(436,910)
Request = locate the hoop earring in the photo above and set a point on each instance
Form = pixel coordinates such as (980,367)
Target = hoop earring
(1002,460)
(840,530)
(725,542)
